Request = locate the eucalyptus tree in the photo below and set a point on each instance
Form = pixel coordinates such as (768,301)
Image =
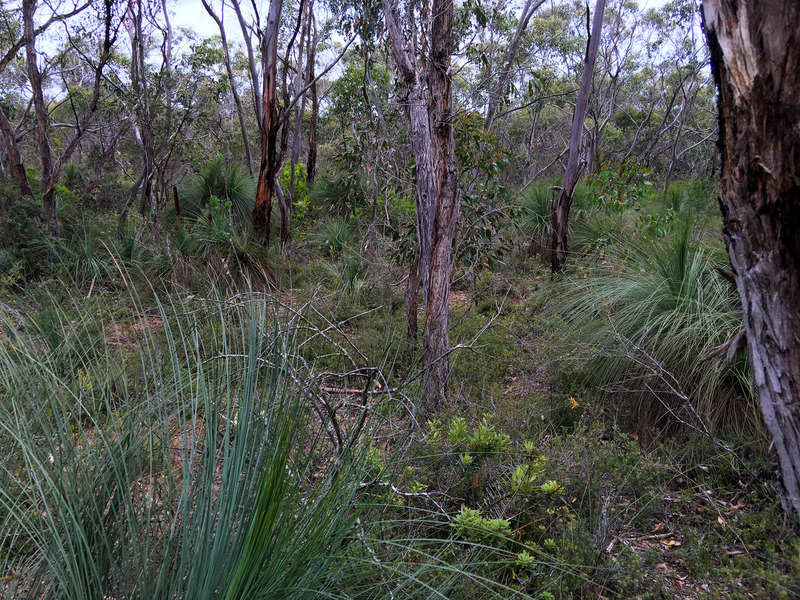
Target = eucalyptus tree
(274,115)
(560,211)
(219,20)
(755,57)
(104,19)
(162,98)
(425,88)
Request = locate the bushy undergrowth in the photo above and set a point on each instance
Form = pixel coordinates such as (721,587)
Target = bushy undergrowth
(654,314)
(173,454)
(213,445)
(230,184)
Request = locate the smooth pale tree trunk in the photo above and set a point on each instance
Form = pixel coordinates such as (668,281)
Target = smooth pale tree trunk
(430,112)
(270,124)
(251,64)
(755,58)
(496,92)
(559,213)
(234,92)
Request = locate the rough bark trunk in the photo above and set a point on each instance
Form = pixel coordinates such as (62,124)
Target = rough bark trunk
(311,163)
(42,119)
(755,57)
(14,157)
(560,212)
(52,168)
(267,172)
(429,108)
(435,341)
(412,299)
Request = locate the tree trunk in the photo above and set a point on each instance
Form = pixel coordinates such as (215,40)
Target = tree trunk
(14,157)
(267,172)
(51,168)
(496,92)
(42,120)
(297,137)
(311,163)
(234,92)
(437,199)
(435,341)
(251,64)
(755,57)
(560,212)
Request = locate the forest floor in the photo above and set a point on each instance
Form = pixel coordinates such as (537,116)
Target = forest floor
(655,514)
(635,513)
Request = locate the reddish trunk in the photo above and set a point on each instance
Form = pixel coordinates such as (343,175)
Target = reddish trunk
(269,124)
(755,57)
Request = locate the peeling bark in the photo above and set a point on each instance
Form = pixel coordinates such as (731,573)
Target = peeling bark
(755,57)
(429,108)
(269,125)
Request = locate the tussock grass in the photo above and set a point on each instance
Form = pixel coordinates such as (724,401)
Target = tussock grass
(173,454)
(652,313)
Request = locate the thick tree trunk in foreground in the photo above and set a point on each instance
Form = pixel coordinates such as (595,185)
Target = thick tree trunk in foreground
(269,125)
(559,214)
(755,57)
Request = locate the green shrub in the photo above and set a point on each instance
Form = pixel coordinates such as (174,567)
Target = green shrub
(339,197)
(333,236)
(301,199)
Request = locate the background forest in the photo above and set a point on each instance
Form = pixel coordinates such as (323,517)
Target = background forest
(202,399)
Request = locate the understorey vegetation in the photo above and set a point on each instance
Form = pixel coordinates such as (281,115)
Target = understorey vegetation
(382,301)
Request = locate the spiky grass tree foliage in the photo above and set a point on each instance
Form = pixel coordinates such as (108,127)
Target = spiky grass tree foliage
(174,456)
(338,196)
(229,183)
(655,314)
(333,236)
(178,463)
(534,219)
